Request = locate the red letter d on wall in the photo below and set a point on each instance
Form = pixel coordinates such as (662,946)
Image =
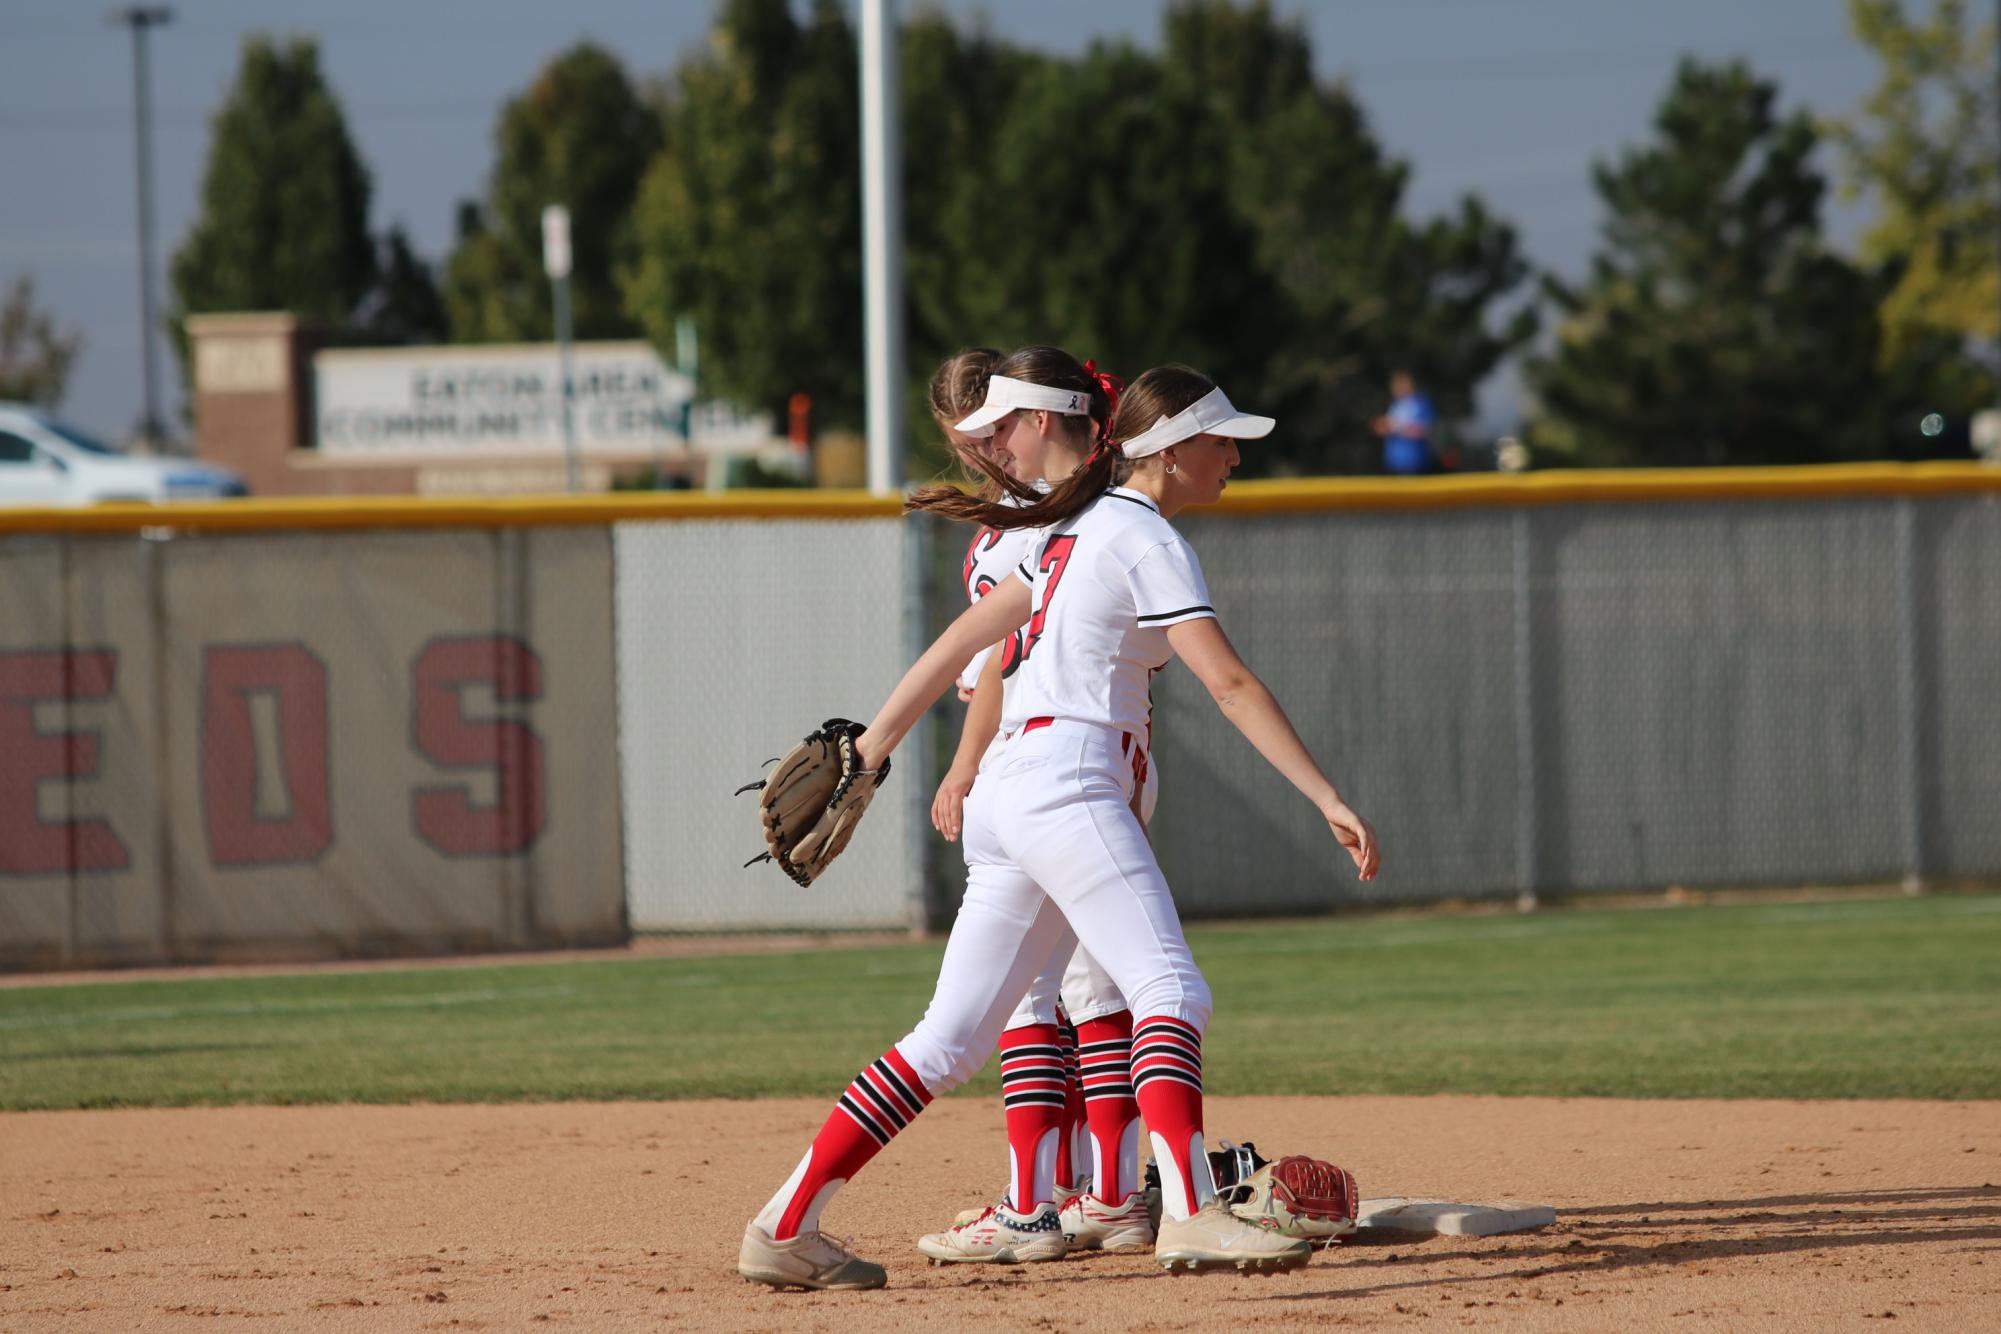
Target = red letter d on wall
(264,755)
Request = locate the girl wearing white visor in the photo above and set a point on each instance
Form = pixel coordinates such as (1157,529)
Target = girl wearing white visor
(1040,419)
(1110,592)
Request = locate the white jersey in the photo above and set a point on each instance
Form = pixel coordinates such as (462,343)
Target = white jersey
(1103,588)
(990,558)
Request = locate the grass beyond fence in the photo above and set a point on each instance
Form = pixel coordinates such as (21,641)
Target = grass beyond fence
(1872,998)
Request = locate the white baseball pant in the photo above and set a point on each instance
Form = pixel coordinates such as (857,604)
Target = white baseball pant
(1072,975)
(1052,848)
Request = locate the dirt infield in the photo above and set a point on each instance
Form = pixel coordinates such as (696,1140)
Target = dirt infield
(1672,1215)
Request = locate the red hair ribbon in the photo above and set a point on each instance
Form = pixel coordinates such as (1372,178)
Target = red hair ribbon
(1113,387)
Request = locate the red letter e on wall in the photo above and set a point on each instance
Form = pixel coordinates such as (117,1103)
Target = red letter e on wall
(30,845)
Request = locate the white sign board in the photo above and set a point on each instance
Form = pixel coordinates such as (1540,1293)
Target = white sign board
(508,400)
(556,241)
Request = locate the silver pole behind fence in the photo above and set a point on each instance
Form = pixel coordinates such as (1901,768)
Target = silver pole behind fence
(1910,696)
(1521,536)
(140,18)
(882,244)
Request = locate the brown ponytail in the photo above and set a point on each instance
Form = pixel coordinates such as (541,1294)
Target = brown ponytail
(1160,392)
(1057,369)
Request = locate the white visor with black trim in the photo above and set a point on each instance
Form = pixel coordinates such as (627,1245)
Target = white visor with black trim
(1211,414)
(1005,395)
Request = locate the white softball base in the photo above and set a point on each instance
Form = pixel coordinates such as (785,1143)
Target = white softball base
(1402,1213)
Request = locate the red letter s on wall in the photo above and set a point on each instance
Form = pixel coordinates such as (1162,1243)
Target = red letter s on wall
(445,816)
(28,844)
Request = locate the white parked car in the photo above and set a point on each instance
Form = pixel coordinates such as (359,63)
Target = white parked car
(44,461)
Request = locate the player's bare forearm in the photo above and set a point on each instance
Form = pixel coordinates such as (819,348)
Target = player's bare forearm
(1251,707)
(948,805)
(983,623)
(982,715)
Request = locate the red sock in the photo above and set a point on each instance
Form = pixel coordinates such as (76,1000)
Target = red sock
(1033,1091)
(1104,1054)
(1072,1148)
(1167,1079)
(883,1099)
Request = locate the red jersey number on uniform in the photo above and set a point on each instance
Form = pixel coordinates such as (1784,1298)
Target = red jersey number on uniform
(1055,555)
(983,541)
(1010,648)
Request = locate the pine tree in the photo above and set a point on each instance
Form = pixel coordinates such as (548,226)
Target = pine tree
(404,306)
(284,217)
(1716,325)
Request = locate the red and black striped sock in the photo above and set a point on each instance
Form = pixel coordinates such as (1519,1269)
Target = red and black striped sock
(884,1098)
(1033,1090)
(1073,1148)
(1167,1080)
(1104,1054)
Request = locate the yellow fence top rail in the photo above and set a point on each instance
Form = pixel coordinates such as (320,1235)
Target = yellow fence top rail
(295,512)
(1619,486)
(1285,495)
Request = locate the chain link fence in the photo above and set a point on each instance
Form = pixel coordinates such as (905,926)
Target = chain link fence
(734,639)
(1594,697)
(297,743)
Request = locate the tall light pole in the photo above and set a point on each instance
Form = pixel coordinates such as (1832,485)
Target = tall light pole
(140,18)
(882,245)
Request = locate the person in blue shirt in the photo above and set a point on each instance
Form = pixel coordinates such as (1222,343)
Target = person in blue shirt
(1406,429)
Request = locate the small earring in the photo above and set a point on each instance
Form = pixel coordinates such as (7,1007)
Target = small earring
(1170,470)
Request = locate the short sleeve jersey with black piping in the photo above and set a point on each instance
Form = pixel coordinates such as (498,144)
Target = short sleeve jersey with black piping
(991,557)
(1103,588)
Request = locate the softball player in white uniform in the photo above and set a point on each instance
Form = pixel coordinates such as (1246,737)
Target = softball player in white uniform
(1111,593)
(1073,1001)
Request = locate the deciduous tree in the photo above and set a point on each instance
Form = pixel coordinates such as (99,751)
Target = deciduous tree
(1922,148)
(1103,224)
(35,357)
(579,136)
(749,219)
(1364,288)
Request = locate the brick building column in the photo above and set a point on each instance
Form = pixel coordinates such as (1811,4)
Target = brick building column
(253,393)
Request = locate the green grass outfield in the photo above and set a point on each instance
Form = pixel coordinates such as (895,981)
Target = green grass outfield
(1870,998)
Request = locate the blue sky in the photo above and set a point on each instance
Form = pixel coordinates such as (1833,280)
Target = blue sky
(1510,99)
